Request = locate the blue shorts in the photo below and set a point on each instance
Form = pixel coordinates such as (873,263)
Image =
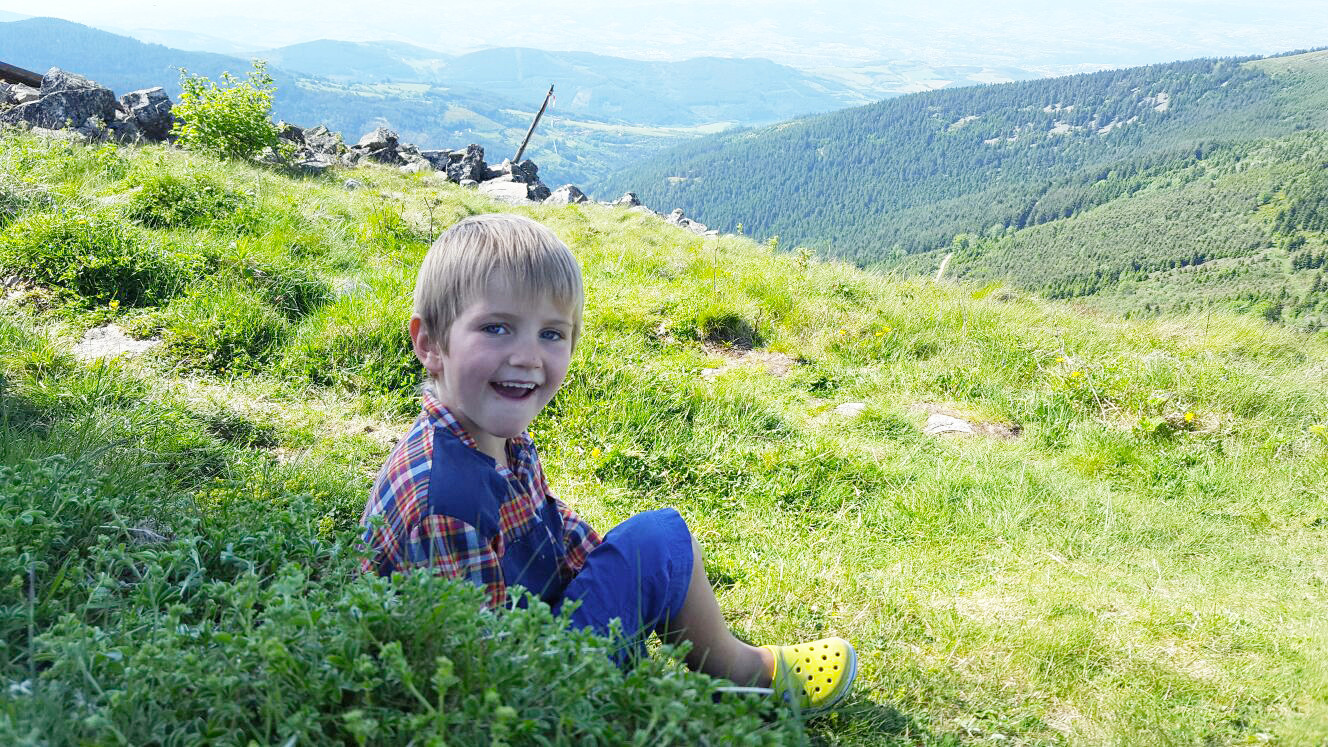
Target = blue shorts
(639,575)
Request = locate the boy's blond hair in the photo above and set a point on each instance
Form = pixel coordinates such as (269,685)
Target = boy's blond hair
(482,249)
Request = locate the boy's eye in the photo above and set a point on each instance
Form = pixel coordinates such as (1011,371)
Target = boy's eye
(552,335)
(494,329)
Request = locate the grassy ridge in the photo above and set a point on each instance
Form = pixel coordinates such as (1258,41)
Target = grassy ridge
(1142,562)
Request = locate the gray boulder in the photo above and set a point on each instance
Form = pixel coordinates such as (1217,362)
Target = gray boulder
(436,158)
(66,100)
(505,189)
(381,145)
(290,133)
(323,141)
(678,219)
(627,200)
(150,110)
(526,171)
(17,93)
(467,164)
(568,194)
(537,191)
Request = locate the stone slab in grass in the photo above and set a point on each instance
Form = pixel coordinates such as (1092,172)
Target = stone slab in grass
(110,341)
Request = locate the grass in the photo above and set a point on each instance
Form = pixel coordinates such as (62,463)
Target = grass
(1142,564)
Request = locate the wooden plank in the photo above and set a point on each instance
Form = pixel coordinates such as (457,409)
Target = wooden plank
(11,74)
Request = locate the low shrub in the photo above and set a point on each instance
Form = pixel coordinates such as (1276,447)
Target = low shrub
(165,200)
(97,259)
(229,120)
(222,327)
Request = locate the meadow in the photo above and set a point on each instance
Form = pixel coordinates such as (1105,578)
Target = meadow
(1129,550)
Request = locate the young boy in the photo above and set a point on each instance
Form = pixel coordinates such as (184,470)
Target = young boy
(498,305)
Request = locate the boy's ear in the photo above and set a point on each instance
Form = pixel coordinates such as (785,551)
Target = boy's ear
(427,349)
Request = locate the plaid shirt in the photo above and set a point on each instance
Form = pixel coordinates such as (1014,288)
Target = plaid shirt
(415,533)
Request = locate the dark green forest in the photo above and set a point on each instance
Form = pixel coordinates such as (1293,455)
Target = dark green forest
(1154,189)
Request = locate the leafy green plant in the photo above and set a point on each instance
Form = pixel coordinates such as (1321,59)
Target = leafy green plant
(229,120)
(96,258)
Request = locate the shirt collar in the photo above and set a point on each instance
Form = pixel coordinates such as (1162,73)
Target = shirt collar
(440,416)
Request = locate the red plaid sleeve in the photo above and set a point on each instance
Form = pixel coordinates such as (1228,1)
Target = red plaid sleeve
(578,537)
(450,547)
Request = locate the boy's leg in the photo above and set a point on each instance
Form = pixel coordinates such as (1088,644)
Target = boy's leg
(649,573)
(715,650)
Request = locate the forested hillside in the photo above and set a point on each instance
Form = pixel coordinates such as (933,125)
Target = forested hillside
(879,183)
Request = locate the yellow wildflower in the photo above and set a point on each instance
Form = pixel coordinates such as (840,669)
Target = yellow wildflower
(114,304)
(1189,417)
(1076,374)
(595,452)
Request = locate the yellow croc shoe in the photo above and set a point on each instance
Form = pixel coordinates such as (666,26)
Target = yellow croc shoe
(813,677)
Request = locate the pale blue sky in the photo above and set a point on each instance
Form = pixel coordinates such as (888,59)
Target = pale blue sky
(1055,36)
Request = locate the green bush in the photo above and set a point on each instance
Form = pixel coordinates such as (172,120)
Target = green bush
(98,259)
(228,120)
(169,201)
(221,327)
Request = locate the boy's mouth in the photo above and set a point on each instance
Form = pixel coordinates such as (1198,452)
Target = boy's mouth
(514,389)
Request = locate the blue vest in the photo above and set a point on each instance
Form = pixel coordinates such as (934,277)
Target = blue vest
(465,484)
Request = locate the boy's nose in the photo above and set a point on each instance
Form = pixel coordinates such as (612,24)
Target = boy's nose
(525,354)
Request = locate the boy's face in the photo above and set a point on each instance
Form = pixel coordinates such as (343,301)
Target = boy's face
(506,357)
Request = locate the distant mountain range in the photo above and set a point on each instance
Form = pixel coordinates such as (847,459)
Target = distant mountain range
(1144,190)
(609,111)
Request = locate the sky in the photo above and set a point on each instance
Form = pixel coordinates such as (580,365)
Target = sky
(1055,37)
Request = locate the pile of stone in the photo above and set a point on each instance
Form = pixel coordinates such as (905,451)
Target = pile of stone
(67,101)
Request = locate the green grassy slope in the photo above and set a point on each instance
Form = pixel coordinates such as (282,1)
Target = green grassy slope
(1135,556)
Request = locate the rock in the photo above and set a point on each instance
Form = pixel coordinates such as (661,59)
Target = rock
(416,166)
(17,93)
(468,183)
(467,164)
(436,158)
(628,200)
(150,109)
(381,145)
(315,164)
(323,141)
(378,139)
(110,342)
(537,191)
(568,194)
(850,409)
(506,190)
(938,424)
(352,184)
(125,129)
(65,98)
(289,132)
(678,219)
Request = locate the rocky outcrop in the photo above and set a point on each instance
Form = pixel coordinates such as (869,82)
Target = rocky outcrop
(678,219)
(627,200)
(150,110)
(68,101)
(568,194)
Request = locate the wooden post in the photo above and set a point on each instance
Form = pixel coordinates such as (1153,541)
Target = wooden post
(19,75)
(517,159)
